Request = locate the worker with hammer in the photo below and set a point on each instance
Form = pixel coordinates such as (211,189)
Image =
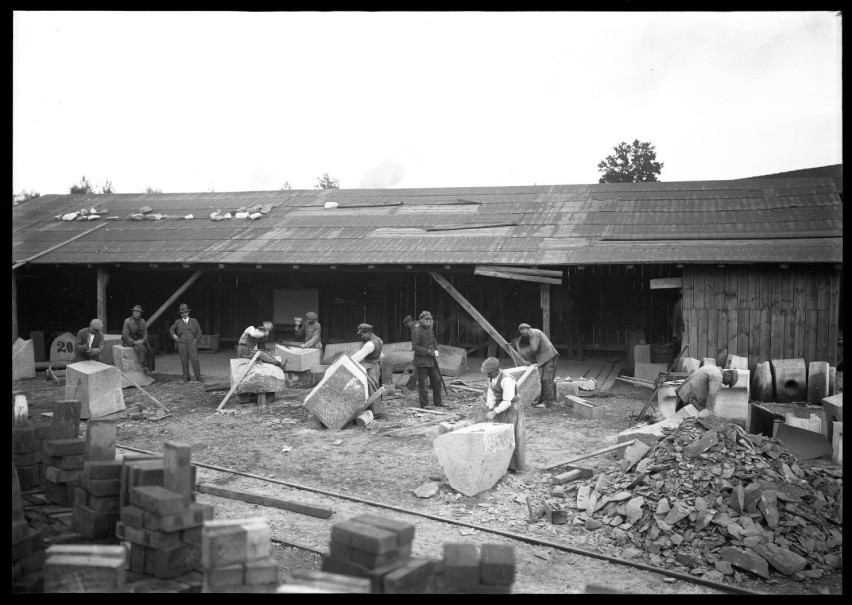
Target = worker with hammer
(311,331)
(89,341)
(504,405)
(701,388)
(247,346)
(545,356)
(369,356)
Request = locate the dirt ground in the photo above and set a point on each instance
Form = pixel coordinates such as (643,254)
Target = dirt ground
(281,441)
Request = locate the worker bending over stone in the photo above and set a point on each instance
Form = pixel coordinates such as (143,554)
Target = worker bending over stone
(311,331)
(89,341)
(701,387)
(545,356)
(370,356)
(504,406)
(247,346)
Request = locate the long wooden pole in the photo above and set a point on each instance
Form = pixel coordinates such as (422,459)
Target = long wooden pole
(133,382)
(174,297)
(237,383)
(516,358)
(52,248)
(604,450)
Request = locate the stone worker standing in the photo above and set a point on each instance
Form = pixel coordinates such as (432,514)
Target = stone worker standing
(504,405)
(426,361)
(186,332)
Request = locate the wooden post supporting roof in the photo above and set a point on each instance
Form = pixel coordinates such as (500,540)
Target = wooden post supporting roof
(545,309)
(174,297)
(516,358)
(103,281)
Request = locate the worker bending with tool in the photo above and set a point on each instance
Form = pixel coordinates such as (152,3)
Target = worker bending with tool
(311,331)
(701,387)
(545,356)
(504,405)
(369,356)
(247,346)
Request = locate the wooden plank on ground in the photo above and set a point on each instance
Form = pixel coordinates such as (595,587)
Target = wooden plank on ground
(610,379)
(252,498)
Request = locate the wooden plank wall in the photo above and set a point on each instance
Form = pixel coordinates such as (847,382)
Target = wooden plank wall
(761,313)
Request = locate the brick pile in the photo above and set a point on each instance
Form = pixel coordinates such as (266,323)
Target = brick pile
(96,501)
(711,500)
(466,570)
(27,546)
(236,556)
(64,468)
(160,523)
(79,568)
(27,454)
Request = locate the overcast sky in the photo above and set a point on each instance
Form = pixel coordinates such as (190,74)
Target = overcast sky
(231,101)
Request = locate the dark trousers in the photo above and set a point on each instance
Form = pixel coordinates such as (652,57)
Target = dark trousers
(434,377)
(145,355)
(547,374)
(189,353)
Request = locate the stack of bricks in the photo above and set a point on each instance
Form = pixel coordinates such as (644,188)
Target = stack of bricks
(27,546)
(465,571)
(237,557)
(27,439)
(160,524)
(63,454)
(379,549)
(96,501)
(84,568)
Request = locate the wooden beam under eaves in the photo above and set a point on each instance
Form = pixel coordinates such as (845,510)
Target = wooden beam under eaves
(524,270)
(517,276)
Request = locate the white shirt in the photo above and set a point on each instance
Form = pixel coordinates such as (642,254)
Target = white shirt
(363,351)
(91,338)
(255,332)
(185,319)
(508,385)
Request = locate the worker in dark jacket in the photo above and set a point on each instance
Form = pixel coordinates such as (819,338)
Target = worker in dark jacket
(311,331)
(249,339)
(185,332)
(545,356)
(134,333)
(425,348)
(90,341)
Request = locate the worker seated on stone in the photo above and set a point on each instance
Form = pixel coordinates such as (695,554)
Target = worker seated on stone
(134,333)
(311,331)
(247,347)
(90,341)
(701,387)
(370,356)
(503,404)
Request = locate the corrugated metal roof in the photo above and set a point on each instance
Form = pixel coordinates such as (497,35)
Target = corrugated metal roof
(788,220)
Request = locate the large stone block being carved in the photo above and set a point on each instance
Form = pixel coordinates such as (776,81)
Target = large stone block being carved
(341,394)
(298,359)
(452,361)
(110,341)
(475,457)
(334,351)
(124,358)
(529,383)
(790,379)
(732,402)
(96,385)
(23,359)
(262,377)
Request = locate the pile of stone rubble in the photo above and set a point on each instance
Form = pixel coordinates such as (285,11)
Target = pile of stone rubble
(713,500)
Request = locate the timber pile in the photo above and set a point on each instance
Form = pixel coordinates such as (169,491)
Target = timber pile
(710,498)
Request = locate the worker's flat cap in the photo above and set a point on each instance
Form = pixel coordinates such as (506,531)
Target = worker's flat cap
(365,328)
(310,315)
(522,326)
(96,324)
(489,365)
(137,308)
(425,315)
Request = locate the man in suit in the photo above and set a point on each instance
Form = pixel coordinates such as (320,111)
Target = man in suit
(134,333)
(426,361)
(186,332)
(90,341)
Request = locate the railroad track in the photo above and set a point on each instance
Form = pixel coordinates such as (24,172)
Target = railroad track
(508,534)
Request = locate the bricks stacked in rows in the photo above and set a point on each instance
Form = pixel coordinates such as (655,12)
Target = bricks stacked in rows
(27,546)
(84,568)
(159,521)
(96,501)
(377,548)
(27,453)
(63,454)
(466,571)
(236,556)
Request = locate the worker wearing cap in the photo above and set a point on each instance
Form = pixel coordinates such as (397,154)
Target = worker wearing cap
(370,358)
(249,339)
(504,405)
(546,358)
(310,331)
(186,332)
(90,341)
(425,348)
(134,333)
(701,387)
(409,323)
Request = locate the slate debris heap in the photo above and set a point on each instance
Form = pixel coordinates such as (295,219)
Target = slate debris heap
(711,498)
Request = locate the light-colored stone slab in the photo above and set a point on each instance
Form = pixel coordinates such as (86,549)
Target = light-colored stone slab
(642,354)
(667,398)
(529,382)
(813,423)
(735,362)
(96,385)
(761,384)
(124,358)
(649,434)
(62,347)
(23,359)
(298,359)
(789,376)
(333,352)
(709,361)
(262,378)
(564,388)
(110,341)
(583,408)
(833,409)
(474,458)
(689,365)
(818,377)
(341,394)
(649,371)
(452,361)
(732,402)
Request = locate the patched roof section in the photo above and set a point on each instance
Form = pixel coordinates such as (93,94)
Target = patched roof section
(792,220)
